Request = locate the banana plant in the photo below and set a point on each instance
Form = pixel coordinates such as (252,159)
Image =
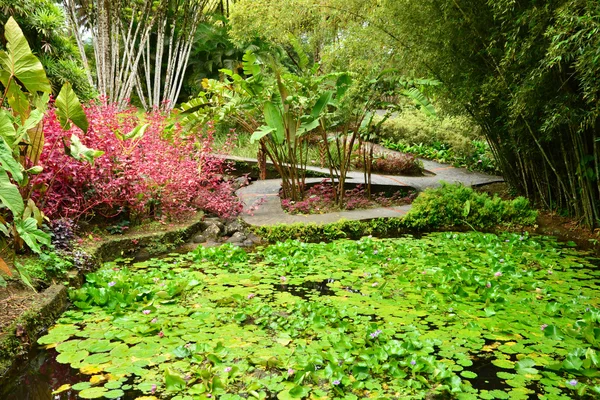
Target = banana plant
(290,115)
(26,90)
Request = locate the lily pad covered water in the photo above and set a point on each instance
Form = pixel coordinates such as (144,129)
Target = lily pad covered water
(466,315)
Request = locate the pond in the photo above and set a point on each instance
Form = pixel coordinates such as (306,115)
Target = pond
(449,315)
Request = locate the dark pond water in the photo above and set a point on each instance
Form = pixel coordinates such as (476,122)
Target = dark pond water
(43,375)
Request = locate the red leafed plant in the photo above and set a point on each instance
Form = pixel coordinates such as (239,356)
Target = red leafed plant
(160,174)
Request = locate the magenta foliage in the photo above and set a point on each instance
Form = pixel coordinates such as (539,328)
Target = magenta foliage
(320,199)
(162,174)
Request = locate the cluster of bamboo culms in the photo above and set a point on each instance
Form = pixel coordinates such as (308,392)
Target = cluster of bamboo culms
(138,45)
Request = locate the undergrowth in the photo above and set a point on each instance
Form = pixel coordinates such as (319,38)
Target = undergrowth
(448,207)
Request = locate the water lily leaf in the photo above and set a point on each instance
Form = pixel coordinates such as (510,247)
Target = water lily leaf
(114,394)
(62,388)
(92,393)
(299,392)
(525,366)
(91,369)
(96,379)
(81,386)
(468,374)
(113,384)
(552,332)
(72,357)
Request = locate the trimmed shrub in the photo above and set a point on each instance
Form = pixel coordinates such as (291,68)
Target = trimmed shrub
(456,205)
(412,127)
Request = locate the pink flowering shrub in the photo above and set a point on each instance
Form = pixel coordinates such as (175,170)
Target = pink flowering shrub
(159,175)
(320,199)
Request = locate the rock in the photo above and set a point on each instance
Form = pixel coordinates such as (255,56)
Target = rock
(141,255)
(237,238)
(233,227)
(208,222)
(255,239)
(199,238)
(187,247)
(211,243)
(248,243)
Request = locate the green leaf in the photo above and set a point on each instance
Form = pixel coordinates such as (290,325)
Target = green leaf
(173,381)
(17,100)
(20,62)
(467,209)
(342,85)
(68,109)
(8,162)
(419,98)
(92,393)
(10,195)
(299,392)
(30,233)
(307,127)
(321,104)
(81,152)
(136,132)
(261,133)
(525,366)
(249,63)
(7,128)
(274,119)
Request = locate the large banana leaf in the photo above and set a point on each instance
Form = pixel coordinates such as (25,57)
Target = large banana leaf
(8,162)
(10,196)
(260,133)
(20,62)
(274,119)
(68,109)
(321,104)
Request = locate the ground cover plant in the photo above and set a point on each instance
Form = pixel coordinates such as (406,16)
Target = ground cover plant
(479,159)
(320,199)
(451,315)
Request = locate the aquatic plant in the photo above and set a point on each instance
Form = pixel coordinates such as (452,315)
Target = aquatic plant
(460,315)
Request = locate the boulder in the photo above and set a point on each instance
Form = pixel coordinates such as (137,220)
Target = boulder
(237,238)
(233,227)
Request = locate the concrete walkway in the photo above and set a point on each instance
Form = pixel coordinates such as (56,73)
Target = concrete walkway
(271,213)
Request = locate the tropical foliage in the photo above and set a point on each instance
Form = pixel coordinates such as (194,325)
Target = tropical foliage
(26,91)
(44,25)
(526,72)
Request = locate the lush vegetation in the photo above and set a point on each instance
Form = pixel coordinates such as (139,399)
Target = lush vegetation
(404,318)
(526,72)
(456,205)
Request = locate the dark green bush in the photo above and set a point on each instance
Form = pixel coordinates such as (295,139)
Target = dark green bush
(456,205)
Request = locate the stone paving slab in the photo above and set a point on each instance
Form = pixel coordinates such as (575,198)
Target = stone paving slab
(270,211)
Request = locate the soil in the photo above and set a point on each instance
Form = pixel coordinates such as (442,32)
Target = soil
(14,301)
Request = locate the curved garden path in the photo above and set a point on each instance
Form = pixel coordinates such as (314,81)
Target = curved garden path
(271,213)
